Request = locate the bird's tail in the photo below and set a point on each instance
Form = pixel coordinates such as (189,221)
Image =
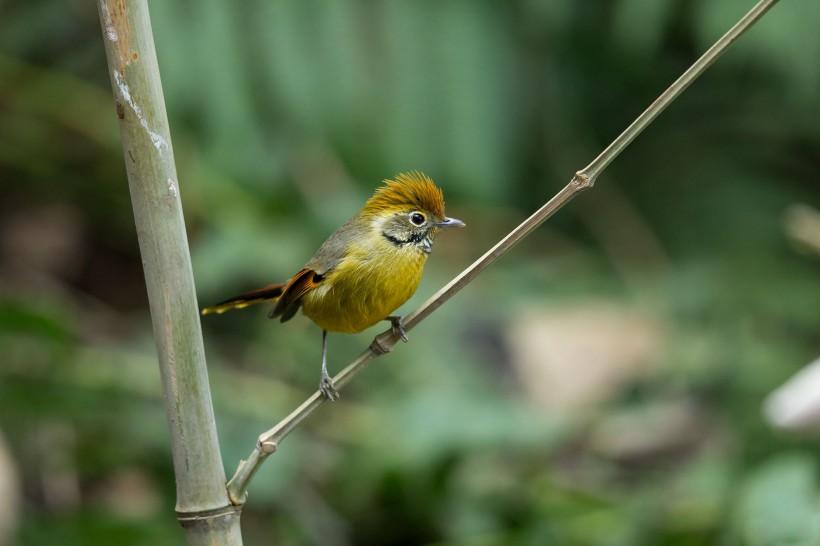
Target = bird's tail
(268,293)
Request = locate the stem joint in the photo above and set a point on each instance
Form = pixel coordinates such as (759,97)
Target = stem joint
(383,343)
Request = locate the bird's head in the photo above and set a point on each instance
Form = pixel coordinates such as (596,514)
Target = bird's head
(409,210)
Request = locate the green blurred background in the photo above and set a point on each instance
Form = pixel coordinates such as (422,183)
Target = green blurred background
(601,384)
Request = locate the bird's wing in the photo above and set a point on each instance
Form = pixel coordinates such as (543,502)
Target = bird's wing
(329,255)
(335,248)
(290,300)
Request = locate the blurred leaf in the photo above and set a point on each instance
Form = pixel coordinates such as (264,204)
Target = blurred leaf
(779,502)
(21,318)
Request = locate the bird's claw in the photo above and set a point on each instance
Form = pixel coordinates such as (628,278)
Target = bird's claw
(397,325)
(328,389)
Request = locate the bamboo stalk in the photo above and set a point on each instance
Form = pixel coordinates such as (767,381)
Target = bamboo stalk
(202,506)
(269,441)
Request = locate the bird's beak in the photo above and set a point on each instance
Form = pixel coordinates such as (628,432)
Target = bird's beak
(450,222)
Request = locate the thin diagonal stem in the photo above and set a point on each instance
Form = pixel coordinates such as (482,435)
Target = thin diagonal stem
(383,343)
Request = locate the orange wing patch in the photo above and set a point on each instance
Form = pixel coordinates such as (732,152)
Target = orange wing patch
(291,298)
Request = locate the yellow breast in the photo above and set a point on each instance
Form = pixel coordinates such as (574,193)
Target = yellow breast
(365,287)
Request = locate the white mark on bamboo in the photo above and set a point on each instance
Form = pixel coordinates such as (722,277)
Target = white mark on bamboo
(172,187)
(125,93)
(110,31)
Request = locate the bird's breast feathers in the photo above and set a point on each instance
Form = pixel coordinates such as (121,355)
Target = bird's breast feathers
(366,286)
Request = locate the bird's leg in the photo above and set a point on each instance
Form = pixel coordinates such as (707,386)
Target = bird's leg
(397,324)
(326,383)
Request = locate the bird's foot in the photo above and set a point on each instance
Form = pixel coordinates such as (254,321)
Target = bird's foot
(327,388)
(397,324)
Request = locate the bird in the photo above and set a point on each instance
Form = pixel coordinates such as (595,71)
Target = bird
(365,270)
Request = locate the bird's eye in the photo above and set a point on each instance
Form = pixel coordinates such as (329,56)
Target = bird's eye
(417,218)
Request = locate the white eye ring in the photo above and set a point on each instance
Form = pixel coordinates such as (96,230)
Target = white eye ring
(417,218)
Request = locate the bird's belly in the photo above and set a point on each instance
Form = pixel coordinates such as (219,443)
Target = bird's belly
(361,292)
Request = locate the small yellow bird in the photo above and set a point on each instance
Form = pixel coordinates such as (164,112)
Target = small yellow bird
(366,269)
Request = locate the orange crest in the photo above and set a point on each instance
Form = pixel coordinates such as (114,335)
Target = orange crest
(413,190)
